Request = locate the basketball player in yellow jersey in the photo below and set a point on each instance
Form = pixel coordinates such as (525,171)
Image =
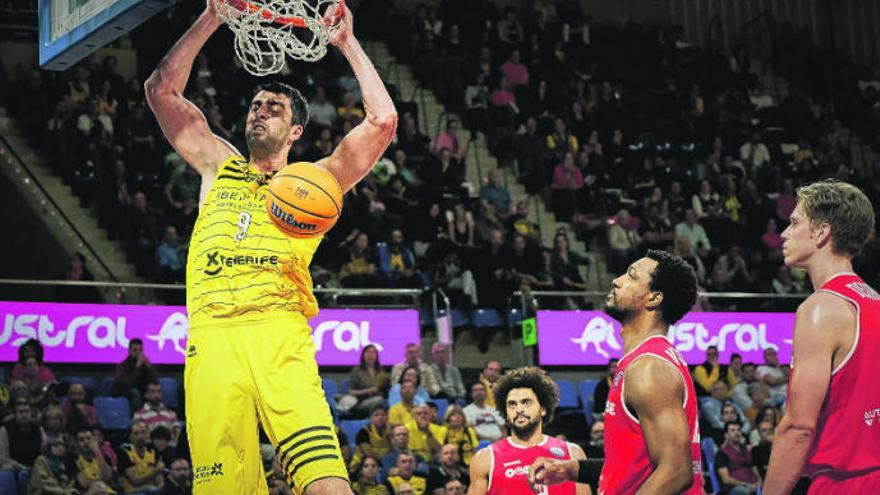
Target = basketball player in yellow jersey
(250,357)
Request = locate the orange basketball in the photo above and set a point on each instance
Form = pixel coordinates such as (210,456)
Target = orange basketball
(304,200)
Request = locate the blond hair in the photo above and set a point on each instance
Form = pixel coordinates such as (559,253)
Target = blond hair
(845,208)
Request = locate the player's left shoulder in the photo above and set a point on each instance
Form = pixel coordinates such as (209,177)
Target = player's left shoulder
(576,451)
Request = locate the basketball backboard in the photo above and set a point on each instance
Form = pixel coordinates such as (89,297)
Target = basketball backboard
(72,29)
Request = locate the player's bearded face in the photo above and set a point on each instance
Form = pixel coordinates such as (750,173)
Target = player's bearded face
(268,124)
(524,412)
(628,290)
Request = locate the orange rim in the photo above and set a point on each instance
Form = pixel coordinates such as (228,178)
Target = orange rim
(299,22)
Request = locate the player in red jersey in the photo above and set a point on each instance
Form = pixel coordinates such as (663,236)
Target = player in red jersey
(652,438)
(526,398)
(831,427)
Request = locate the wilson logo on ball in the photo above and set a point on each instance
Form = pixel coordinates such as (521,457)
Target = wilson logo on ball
(288,219)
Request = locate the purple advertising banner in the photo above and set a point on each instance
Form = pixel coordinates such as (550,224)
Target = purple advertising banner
(100,333)
(576,338)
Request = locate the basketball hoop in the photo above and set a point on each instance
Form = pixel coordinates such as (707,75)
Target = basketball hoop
(268,30)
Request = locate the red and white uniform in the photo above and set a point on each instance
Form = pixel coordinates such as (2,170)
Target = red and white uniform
(627,463)
(847,439)
(510,466)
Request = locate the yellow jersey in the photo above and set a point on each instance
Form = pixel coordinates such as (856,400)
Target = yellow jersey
(240,264)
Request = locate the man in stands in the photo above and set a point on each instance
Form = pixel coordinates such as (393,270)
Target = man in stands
(372,439)
(140,469)
(445,373)
(134,374)
(485,419)
(406,467)
(447,468)
(399,444)
(413,357)
(402,412)
(489,377)
(20,438)
(155,413)
(91,465)
(77,413)
(736,472)
(774,375)
(178,481)
(425,438)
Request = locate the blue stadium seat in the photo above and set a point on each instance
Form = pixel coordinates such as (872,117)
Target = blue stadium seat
(459,319)
(7,482)
(483,443)
(515,317)
(351,427)
(113,412)
(709,449)
(487,318)
(106,386)
(342,389)
(329,389)
(88,382)
(568,398)
(586,388)
(701,401)
(23,477)
(170,390)
(442,405)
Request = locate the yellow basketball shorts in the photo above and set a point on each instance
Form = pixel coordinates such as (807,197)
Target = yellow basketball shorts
(245,373)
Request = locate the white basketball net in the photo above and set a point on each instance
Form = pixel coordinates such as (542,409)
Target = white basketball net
(268,30)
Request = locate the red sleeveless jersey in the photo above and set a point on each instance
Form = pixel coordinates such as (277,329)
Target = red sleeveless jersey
(847,436)
(627,464)
(510,467)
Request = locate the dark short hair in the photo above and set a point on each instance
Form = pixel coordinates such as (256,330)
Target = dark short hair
(160,433)
(749,365)
(136,340)
(298,106)
(727,425)
(418,379)
(675,278)
(537,380)
(377,407)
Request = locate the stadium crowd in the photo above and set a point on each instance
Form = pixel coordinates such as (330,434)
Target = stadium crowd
(411,426)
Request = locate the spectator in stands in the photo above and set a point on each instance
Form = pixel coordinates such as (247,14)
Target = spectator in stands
(94,123)
(695,233)
(413,358)
(372,440)
(709,372)
(711,408)
(106,449)
(566,264)
(495,280)
(160,441)
(91,464)
(736,472)
(425,438)
(768,414)
(785,201)
(77,412)
(349,110)
(733,268)
(656,198)
(410,139)
(134,374)
(495,193)
(366,478)
(401,413)
(486,420)
(514,70)
(486,221)
(510,30)
(32,348)
(772,240)
(171,256)
(682,248)
(140,468)
(525,261)
(183,183)
(568,180)
(155,413)
(399,444)
(461,226)
(36,390)
(489,378)
(405,475)
(50,473)
(448,140)
(321,111)
(623,241)
(561,141)
(142,228)
(54,426)
(368,382)
(359,268)
(754,153)
(446,374)
(600,393)
(503,97)
(655,230)
(742,390)
(397,263)
(455,487)
(774,375)
(410,374)
(20,438)
(446,468)
(705,201)
(596,448)
(520,224)
(460,434)
(178,481)
(761,452)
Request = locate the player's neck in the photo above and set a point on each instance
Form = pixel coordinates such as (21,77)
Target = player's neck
(825,267)
(270,163)
(642,327)
(535,438)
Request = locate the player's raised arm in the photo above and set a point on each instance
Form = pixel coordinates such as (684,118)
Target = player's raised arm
(819,320)
(183,123)
(655,390)
(359,150)
(481,463)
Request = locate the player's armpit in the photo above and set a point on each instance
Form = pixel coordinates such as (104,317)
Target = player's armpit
(655,390)
(481,464)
